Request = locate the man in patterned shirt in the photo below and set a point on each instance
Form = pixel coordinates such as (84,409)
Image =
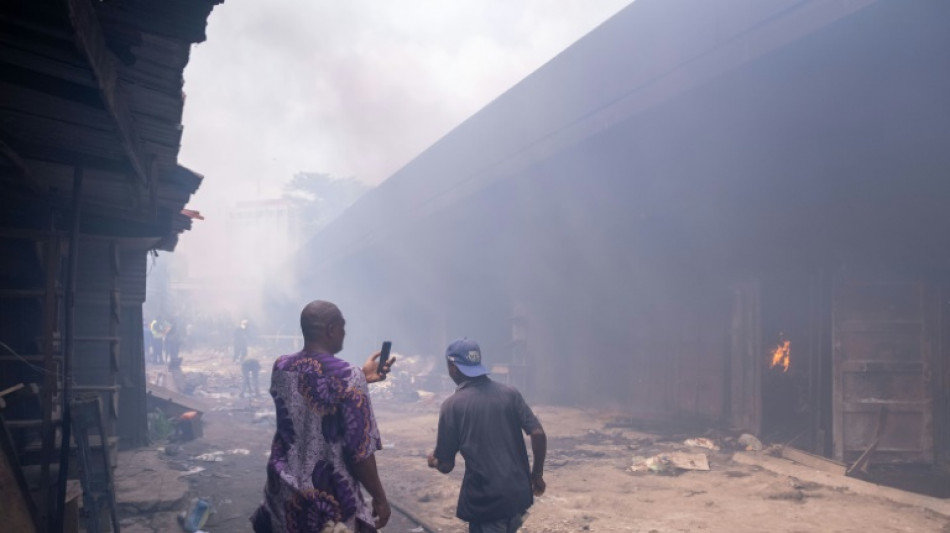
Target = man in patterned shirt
(326,436)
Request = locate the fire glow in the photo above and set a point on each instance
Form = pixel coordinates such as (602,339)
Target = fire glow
(781,355)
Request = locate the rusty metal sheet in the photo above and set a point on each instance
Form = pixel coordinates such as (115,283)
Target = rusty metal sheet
(882,373)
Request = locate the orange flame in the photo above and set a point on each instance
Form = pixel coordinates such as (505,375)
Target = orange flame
(781,355)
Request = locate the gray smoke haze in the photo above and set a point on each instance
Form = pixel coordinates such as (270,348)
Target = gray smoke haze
(349,89)
(354,88)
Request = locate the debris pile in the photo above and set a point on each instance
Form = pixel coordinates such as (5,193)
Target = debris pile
(412,380)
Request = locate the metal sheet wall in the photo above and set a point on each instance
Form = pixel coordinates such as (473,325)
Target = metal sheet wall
(109,354)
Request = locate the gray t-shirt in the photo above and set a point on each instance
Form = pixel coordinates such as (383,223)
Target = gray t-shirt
(483,420)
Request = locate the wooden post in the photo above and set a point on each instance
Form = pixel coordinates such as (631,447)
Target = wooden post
(50,320)
(69,345)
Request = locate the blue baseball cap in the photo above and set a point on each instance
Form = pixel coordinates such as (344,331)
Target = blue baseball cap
(466,356)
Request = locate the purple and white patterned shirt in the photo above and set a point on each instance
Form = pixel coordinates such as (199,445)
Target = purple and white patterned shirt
(325,424)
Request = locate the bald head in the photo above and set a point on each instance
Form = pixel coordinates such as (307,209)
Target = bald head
(315,318)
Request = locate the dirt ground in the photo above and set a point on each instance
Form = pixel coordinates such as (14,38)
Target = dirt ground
(590,484)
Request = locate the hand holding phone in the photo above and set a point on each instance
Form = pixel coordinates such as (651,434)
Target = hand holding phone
(384,357)
(378,365)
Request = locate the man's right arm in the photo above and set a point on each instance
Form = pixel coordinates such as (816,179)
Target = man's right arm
(447,443)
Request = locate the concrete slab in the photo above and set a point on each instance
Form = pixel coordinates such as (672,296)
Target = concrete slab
(857,486)
(145,483)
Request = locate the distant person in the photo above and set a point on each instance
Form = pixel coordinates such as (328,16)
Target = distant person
(173,342)
(483,420)
(250,368)
(146,341)
(240,342)
(326,437)
(158,329)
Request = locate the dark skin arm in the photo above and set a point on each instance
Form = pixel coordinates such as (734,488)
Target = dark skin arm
(366,473)
(372,371)
(539,449)
(441,466)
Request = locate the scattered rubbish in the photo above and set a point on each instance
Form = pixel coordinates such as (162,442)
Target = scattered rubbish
(211,457)
(751,443)
(172,450)
(689,461)
(639,464)
(774,450)
(702,442)
(798,484)
(416,530)
(192,470)
(641,442)
(669,463)
(194,519)
(218,456)
(215,395)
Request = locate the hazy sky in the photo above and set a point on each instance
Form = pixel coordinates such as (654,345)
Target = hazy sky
(353,88)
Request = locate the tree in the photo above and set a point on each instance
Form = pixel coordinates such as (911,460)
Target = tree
(321,198)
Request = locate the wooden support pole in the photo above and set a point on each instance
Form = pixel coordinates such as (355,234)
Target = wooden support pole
(69,351)
(50,320)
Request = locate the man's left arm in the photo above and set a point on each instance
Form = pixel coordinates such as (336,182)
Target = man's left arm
(360,442)
(367,474)
(539,443)
(539,449)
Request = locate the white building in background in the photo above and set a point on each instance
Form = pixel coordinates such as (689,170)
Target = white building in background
(262,235)
(224,282)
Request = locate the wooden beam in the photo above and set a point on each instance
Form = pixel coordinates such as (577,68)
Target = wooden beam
(69,156)
(813,461)
(91,42)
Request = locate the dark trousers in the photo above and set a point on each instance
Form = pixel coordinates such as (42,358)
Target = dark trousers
(158,350)
(250,383)
(506,525)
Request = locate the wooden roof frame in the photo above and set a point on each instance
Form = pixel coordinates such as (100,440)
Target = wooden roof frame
(90,40)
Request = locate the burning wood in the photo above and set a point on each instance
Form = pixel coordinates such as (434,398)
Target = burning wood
(781,355)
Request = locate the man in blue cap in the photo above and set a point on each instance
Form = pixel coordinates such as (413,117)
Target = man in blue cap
(483,420)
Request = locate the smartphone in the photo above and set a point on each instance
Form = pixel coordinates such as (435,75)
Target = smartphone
(384,354)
